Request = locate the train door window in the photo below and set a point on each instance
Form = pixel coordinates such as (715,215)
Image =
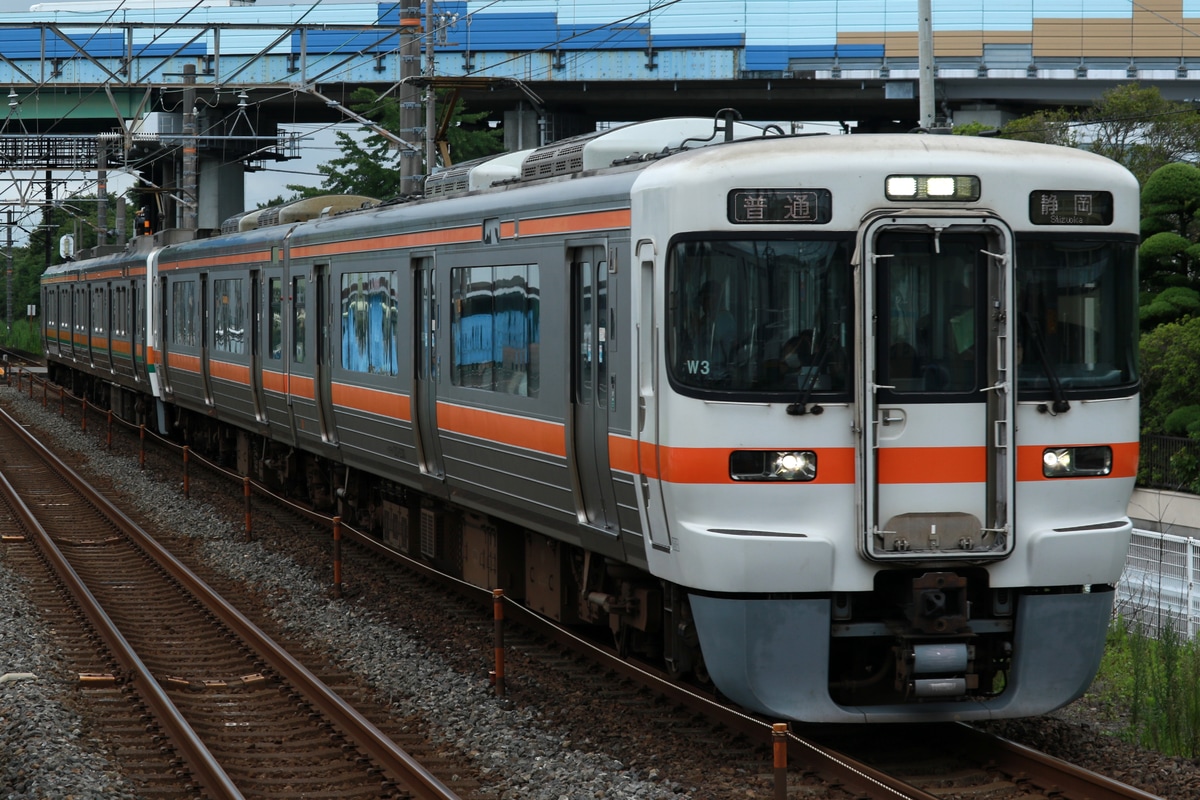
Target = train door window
(183,313)
(82,312)
(495,322)
(118,297)
(275,342)
(229,316)
(369,314)
(927,300)
(299,309)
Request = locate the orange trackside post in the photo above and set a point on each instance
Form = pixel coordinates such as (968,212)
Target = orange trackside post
(337,557)
(246,494)
(779,738)
(498,616)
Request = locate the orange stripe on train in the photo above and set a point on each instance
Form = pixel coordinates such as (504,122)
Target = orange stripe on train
(533,434)
(373,401)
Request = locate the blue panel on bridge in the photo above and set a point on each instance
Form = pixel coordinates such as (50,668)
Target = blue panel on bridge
(779,57)
(27,43)
(384,41)
(679,40)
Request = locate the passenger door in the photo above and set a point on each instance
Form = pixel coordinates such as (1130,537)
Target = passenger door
(592,390)
(255,338)
(424,406)
(938,402)
(205,329)
(323,356)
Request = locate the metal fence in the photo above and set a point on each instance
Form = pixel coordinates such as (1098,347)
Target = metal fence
(1169,462)
(1157,590)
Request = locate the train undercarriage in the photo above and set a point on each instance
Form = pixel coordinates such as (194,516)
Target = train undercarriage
(920,636)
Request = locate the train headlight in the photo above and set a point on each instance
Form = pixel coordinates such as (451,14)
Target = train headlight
(932,187)
(773,465)
(1075,462)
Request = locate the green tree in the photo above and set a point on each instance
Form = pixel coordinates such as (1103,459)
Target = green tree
(1131,124)
(1141,129)
(1169,257)
(1047,127)
(1170,365)
(372,167)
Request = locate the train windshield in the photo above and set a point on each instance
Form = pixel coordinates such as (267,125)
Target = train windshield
(1077,323)
(760,316)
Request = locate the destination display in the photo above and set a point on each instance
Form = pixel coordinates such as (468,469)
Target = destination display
(780,206)
(1070,207)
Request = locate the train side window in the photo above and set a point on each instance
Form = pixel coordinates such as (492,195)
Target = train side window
(369,312)
(495,316)
(183,313)
(229,330)
(275,345)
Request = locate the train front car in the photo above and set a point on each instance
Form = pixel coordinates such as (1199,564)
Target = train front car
(888,417)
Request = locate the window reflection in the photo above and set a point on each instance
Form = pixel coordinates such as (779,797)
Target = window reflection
(760,315)
(1077,315)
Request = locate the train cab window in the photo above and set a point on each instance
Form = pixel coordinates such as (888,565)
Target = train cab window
(1077,316)
(760,316)
(495,318)
(275,344)
(229,316)
(369,312)
(299,302)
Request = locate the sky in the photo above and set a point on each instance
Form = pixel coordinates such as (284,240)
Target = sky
(319,146)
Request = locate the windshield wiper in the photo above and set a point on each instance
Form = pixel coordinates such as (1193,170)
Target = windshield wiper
(800,407)
(1059,402)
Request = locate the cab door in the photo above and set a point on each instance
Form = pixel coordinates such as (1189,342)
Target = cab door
(938,450)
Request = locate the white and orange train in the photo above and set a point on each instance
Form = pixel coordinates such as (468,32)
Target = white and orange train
(847,424)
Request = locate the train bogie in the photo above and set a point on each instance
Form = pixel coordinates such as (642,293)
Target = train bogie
(847,424)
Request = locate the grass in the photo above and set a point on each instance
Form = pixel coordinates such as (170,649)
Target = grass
(24,335)
(1151,686)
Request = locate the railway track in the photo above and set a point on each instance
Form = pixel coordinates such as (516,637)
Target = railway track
(550,663)
(243,716)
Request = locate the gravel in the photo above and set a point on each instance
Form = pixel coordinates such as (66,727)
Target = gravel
(45,752)
(528,753)
(527,758)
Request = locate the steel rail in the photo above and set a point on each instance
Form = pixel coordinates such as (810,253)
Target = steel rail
(1045,772)
(204,767)
(390,758)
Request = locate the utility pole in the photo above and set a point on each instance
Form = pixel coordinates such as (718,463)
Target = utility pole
(925,62)
(8,280)
(190,196)
(430,115)
(410,67)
